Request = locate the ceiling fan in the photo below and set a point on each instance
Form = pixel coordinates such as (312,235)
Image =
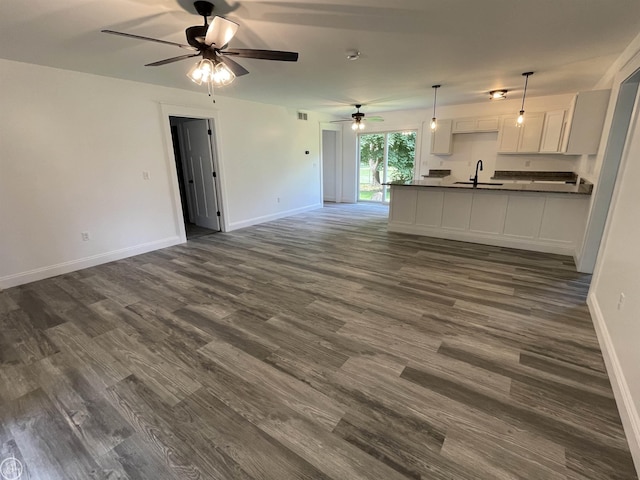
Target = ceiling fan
(210,41)
(358,119)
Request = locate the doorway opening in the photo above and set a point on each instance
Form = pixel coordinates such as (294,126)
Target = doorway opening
(384,157)
(196,166)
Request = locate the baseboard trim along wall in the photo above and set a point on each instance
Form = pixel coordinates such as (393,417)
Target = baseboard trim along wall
(628,413)
(274,216)
(73,265)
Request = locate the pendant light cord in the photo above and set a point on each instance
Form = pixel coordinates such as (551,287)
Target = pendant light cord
(524,94)
(435,99)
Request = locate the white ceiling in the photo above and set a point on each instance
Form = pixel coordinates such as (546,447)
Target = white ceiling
(468,46)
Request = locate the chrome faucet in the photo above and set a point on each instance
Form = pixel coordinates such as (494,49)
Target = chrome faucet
(475,177)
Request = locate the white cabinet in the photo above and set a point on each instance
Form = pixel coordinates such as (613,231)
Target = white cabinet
(552,132)
(536,221)
(441,141)
(476,124)
(521,139)
(584,122)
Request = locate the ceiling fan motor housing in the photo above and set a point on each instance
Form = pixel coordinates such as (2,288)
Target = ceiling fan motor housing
(203,8)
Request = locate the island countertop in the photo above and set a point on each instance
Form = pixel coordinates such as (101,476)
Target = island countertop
(542,187)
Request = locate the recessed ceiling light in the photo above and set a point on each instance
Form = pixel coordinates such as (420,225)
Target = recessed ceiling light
(498,94)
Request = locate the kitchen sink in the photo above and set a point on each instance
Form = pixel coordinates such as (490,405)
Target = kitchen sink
(479,183)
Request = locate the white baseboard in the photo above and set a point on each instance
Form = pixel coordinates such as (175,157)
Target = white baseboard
(485,239)
(628,413)
(73,265)
(273,216)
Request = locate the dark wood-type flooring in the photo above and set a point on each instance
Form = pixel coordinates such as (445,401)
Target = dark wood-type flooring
(317,347)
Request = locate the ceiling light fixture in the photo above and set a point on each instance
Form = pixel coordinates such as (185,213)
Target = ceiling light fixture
(353,55)
(498,94)
(357,124)
(213,73)
(434,123)
(520,119)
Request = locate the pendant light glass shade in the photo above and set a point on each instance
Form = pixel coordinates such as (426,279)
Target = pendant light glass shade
(357,125)
(206,72)
(520,119)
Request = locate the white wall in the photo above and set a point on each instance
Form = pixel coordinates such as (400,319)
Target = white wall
(73,148)
(618,270)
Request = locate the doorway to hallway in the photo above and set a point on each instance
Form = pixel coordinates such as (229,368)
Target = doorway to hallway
(194,151)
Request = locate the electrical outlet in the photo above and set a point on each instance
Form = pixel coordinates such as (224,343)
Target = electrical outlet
(278,199)
(85,236)
(146,175)
(621,301)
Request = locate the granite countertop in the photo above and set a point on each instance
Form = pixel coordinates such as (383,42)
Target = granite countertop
(569,177)
(584,188)
(437,173)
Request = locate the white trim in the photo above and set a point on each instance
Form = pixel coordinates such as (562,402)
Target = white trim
(274,216)
(330,127)
(567,248)
(73,265)
(629,415)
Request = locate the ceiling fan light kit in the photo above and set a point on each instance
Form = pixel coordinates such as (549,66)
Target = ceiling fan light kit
(214,75)
(210,41)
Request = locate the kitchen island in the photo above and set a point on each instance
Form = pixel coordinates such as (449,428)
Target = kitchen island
(537,216)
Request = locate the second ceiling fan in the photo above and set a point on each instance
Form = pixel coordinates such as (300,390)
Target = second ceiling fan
(358,119)
(210,41)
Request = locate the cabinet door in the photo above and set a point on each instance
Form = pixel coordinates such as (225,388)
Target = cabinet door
(584,126)
(552,131)
(488,124)
(531,133)
(441,141)
(476,124)
(464,125)
(509,135)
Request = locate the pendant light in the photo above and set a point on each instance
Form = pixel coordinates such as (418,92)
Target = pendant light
(520,119)
(435,96)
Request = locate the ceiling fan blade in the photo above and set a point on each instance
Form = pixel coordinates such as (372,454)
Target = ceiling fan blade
(220,32)
(149,39)
(339,121)
(262,54)
(237,69)
(171,60)
(375,119)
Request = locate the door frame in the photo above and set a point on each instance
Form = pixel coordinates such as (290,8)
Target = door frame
(324,126)
(169,110)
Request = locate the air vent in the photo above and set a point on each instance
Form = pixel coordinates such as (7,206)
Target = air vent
(302,116)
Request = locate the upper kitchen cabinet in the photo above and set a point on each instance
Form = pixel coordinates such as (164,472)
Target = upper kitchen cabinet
(552,131)
(521,139)
(441,139)
(476,124)
(584,122)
